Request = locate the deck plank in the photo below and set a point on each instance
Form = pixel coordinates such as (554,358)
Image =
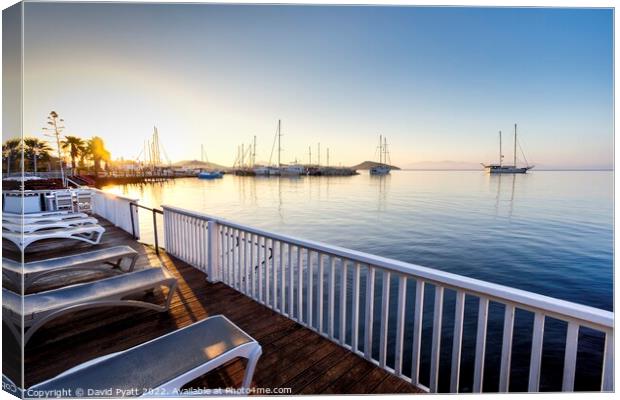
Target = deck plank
(293,356)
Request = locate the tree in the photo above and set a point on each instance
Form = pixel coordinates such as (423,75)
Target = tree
(54,130)
(35,149)
(98,152)
(11,150)
(84,153)
(73,143)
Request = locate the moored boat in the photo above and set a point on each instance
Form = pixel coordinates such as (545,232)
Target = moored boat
(292,169)
(210,175)
(500,168)
(380,170)
(261,171)
(383,168)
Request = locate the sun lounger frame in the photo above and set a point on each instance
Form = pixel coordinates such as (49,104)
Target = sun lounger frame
(101,263)
(251,351)
(88,233)
(43,217)
(111,300)
(34,226)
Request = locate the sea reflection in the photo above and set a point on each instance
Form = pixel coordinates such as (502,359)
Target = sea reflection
(510,179)
(538,231)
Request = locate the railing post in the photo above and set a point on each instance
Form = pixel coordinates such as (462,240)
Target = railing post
(155,232)
(213,265)
(136,219)
(133,229)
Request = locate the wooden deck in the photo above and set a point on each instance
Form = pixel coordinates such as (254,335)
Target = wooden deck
(293,357)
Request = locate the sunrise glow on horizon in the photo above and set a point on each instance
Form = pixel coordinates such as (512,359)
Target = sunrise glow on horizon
(438,82)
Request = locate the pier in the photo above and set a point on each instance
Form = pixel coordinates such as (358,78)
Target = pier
(293,356)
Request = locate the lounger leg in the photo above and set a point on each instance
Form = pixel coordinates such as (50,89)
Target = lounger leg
(118,263)
(251,366)
(133,263)
(172,288)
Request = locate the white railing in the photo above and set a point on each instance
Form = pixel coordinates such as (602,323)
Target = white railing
(345,296)
(116,209)
(46,174)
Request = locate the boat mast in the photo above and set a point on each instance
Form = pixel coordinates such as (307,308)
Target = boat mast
(279,147)
(156,158)
(500,149)
(385,150)
(319,154)
(309,155)
(254,152)
(328,156)
(380,149)
(515,151)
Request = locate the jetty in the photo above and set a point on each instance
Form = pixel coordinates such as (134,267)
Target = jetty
(320,312)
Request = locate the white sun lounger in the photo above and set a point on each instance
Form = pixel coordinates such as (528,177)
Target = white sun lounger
(162,365)
(63,200)
(34,226)
(40,213)
(86,233)
(98,260)
(42,217)
(84,199)
(34,310)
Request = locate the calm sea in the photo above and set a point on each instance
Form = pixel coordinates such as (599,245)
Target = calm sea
(549,232)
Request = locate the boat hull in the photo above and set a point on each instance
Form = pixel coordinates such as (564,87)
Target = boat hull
(292,170)
(266,171)
(379,170)
(497,169)
(210,175)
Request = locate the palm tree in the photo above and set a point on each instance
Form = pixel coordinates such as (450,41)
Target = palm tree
(36,149)
(73,143)
(10,151)
(84,153)
(98,152)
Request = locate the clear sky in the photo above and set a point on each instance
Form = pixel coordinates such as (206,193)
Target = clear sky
(438,82)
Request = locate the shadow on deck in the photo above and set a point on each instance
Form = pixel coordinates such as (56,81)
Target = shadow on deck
(293,356)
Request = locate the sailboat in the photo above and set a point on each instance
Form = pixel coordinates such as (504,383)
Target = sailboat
(293,168)
(382,168)
(507,169)
(207,174)
(270,170)
(280,169)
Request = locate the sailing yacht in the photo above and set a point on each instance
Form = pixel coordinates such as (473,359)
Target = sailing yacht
(262,171)
(507,169)
(382,168)
(280,169)
(292,169)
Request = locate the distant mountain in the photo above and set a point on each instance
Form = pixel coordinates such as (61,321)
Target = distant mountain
(370,164)
(198,164)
